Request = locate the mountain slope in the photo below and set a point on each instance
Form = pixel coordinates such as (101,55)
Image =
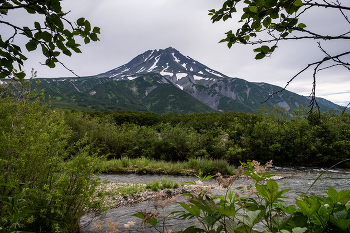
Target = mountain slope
(165,80)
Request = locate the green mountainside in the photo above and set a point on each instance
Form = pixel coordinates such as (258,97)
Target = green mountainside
(163,81)
(148,92)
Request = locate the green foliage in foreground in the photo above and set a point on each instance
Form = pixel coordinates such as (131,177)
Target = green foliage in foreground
(258,208)
(35,152)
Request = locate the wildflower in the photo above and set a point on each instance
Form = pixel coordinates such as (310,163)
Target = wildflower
(224,182)
(174,198)
(219,188)
(239,171)
(200,183)
(112,225)
(149,215)
(170,231)
(207,190)
(98,225)
(129,224)
(237,194)
(158,196)
(326,205)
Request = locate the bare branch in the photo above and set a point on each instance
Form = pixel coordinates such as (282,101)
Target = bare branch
(328,5)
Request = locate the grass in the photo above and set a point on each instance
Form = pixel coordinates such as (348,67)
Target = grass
(144,165)
(164,183)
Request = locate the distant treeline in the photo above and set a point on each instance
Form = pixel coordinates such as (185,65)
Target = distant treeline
(301,138)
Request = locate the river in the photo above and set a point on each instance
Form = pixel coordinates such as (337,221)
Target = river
(297,179)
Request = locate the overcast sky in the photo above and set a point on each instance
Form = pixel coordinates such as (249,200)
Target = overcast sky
(131,27)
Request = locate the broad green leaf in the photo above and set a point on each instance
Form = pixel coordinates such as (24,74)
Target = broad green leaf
(46,36)
(342,197)
(57,20)
(21,75)
(153,222)
(86,40)
(37,25)
(308,207)
(27,32)
(253,9)
(270,3)
(209,220)
(31,45)
(265,49)
(56,6)
(267,22)
(96,30)
(298,3)
(260,56)
(301,25)
(341,223)
(87,26)
(94,37)
(81,21)
(139,215)
(250,219)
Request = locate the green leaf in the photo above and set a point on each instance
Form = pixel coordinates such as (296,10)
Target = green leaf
(209,220)
(267,22)
(265,49)
(87,26)
(270,3)
(250,219)
(260,56)
(31,45)
(57,20)
(96,30)
(139,215)
(153,222)
(56,6)
(253,9)
(81,21)
(308,206)
(341,223)
(298,3)
(86,40)
(50,63)
(37,25)
(20,75)
(46,36)
(94,37)
(301,25)
(30,10)
(27,32)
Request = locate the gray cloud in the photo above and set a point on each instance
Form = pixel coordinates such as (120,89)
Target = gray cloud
(129,28)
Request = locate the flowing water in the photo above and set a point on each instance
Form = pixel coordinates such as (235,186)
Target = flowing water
(297,179)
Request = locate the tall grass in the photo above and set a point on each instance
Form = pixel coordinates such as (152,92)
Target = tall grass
(144,165)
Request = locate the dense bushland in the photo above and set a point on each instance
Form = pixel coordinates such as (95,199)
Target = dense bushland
(46,183)
(302,138)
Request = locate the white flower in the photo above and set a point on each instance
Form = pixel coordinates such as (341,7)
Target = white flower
(326,205)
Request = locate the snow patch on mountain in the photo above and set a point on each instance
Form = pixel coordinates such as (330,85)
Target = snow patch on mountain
(184,65)
(191,69)
(140,70)
(149,55)
(163,73)
(214,73)
(196,77)
(154,64)
(131,78)
(200,72)
(175,58)
(181,87)
(180,75)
